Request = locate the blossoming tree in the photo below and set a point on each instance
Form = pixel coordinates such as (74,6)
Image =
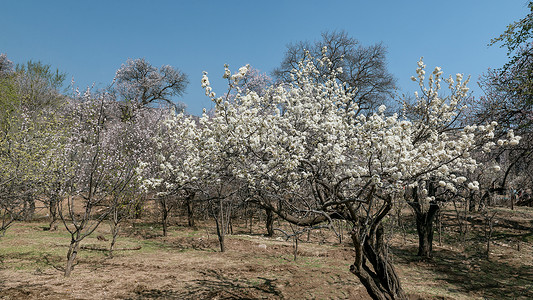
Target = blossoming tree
(307,152)
(99,174)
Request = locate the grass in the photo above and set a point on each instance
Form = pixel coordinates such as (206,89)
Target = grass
(187,264)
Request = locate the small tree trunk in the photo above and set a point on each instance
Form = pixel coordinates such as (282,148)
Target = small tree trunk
(219,220)
(489,224)
(164,222)
(228,221)
(438,220)
(29,208)
(138,208)
(115,221)
(114,233)
(340,232)
(52,210)
(251,221)
(190,210)
(269,222)
(295,247)
(424,229)
(425,238)
(472,204)
(164,215)
(71,256)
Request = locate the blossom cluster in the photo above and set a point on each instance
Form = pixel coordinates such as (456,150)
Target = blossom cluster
(307,139)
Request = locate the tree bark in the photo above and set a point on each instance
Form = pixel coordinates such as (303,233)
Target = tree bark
(380,278)
(424,228)
(472,203)
(220,234)
(190,210)
(29,208)
(115,223)
(219,220)
(52,210)
(114,233)
(71,256)
(164,215)
(269,222)
(139,208)
(424,223)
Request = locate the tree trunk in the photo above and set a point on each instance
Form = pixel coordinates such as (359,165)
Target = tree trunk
(71,256)
(424,228)
(114,233)
(29,208)
(251,221)
(220,234)
(52,210)
(380,278)
(190,210)
(472,203)
(219,220)
(424,222)
(164,215)
(269,222)
(115,221)
(164,223)
(139,208)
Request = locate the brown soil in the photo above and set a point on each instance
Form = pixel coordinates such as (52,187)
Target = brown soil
(188,265)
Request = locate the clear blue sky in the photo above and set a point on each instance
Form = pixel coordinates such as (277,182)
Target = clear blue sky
(91,39)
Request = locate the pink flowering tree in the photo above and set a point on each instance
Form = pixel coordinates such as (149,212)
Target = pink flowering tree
(99,172)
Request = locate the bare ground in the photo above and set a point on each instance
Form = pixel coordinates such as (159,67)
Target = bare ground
(188,265)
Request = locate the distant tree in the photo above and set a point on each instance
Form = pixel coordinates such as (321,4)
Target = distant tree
(517,38)
(30,133)
(508,99)
(364,68)
(6,66)
(252,81)
(509,89)
(139,82)
(28,144)
(39,86)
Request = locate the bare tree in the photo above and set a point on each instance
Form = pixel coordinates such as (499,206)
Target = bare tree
(140,82)
(508,99)
(6,66)
(364,67)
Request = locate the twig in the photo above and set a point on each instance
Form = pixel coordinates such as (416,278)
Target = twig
(107,249)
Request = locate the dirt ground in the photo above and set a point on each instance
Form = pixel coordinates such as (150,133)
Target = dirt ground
(188,265)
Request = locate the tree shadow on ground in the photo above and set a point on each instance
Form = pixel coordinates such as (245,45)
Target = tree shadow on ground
(492,279)
(217,286)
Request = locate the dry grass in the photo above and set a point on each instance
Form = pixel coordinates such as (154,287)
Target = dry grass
(187,265)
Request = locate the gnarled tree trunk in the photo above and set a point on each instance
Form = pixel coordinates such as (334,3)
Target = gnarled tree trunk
(373,266)
(424,228)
